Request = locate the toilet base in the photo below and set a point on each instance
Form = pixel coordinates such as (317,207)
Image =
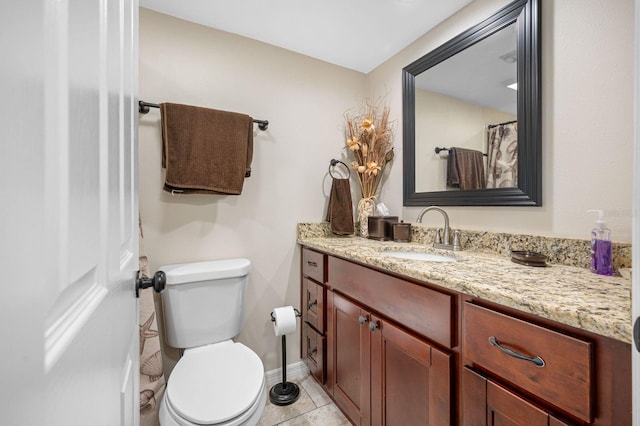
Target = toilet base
(284,393)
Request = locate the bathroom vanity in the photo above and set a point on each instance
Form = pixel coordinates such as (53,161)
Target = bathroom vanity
(479,341)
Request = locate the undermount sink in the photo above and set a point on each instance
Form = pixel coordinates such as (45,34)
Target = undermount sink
(425,257)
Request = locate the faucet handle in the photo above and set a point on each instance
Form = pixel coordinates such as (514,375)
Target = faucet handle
(438,236)
(456,240)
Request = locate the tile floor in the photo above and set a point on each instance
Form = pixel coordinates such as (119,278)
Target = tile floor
(313,408)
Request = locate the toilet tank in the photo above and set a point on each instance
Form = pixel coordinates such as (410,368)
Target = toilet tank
(203,301)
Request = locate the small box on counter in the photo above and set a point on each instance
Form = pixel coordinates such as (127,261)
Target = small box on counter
(402,232)
(381,227)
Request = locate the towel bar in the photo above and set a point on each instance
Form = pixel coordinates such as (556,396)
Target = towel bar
(143,108)
(438,149)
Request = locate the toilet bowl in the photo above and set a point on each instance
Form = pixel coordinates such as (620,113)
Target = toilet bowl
(217,381)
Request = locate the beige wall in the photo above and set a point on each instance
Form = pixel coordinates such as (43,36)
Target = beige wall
(587,142)
(587,107)
(303,99)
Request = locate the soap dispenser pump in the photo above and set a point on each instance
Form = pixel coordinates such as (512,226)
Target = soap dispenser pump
(601,262)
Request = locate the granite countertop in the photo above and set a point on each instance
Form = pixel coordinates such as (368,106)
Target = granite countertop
(566,294)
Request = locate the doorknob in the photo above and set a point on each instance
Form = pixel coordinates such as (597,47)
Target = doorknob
(158,282)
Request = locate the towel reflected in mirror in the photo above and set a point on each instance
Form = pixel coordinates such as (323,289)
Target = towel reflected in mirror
(465,169)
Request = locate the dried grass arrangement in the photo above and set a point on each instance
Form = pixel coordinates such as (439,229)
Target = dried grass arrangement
(370,141)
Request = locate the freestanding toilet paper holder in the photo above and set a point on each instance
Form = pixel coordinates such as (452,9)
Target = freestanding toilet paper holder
(284,393)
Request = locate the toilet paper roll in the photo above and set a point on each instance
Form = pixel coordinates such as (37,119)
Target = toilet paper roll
(285,320)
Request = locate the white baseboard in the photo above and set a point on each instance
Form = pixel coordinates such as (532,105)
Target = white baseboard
(296,371)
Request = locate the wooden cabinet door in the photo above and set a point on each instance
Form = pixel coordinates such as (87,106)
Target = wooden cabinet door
(486,403)
(351,359)
(410,380)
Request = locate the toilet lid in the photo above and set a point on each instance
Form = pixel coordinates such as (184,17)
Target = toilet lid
(215,383)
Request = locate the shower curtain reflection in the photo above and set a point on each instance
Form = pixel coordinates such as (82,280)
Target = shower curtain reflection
(502,161)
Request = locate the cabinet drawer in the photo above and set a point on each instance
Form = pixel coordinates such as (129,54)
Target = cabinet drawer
(313,352)
(418,308)
(498,343)
(313,265)
(313,302)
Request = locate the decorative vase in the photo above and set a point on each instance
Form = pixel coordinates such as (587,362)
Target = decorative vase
(366,207)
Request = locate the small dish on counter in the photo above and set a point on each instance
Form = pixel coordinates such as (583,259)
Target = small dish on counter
(528,258)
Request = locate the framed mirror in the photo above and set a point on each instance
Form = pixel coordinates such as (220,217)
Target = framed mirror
(472,116)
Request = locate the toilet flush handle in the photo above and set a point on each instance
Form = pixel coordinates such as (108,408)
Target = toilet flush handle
(158,282)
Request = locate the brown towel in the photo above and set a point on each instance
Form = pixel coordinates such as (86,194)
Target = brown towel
(340,209)
(465,169)
(205,151)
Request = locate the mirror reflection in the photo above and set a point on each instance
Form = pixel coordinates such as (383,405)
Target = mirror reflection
(466,134)
(468,138)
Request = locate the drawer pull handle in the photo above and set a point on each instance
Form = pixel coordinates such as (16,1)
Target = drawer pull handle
(362,320)
(313,264)
(534,359)
(312,303)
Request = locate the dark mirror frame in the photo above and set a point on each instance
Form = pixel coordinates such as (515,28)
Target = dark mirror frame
(526,15)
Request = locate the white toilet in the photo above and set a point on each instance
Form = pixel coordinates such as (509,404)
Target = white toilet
(217,381)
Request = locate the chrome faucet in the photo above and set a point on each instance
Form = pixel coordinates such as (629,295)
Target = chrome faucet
(443,241)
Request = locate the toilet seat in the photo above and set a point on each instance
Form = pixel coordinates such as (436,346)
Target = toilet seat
(251,417)
(216,383)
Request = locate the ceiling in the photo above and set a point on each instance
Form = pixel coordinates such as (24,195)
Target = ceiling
(356,34)
(479,74)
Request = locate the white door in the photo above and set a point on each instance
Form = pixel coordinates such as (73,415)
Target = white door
(68,216)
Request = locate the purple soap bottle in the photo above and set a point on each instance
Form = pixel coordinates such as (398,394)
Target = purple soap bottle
(601,262)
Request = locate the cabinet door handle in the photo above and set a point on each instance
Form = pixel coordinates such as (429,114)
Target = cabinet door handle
(373,325)
(362,320)
(313,351)
(534,359)
(312,303)
(312,263)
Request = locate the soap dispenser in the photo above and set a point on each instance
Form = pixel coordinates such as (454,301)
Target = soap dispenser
(601,262)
